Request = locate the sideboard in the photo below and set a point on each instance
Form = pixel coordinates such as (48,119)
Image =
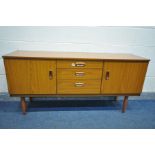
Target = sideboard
(42,74)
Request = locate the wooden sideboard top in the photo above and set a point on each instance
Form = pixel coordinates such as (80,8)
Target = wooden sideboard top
(73,55)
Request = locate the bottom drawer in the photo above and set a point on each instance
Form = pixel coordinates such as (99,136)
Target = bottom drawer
(78,86)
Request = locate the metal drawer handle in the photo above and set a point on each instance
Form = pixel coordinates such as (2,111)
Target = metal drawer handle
(78,64)
(79,73)
(50,75)
(79,84)
(107,75)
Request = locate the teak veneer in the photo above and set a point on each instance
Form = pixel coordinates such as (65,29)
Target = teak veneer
(39,73)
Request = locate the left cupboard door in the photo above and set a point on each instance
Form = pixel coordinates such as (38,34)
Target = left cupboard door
(31,76)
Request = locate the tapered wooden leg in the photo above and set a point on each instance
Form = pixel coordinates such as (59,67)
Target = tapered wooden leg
(125,103)
(23,105)
(116,98)
(30,98)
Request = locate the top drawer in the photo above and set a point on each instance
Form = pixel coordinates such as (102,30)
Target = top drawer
(79,64)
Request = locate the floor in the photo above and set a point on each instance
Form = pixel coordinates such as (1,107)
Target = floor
(78,114)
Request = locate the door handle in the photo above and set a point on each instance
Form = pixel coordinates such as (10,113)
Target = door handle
(50,75)
(107,75)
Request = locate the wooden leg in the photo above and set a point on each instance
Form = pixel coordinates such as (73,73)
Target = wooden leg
(125,103)
(116,98)
(23,105)
(30,98)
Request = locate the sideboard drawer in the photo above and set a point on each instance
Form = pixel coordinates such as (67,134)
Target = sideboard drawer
(79,73)
(78,86)
(79,64)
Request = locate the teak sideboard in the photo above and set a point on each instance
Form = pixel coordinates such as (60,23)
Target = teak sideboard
(39,74)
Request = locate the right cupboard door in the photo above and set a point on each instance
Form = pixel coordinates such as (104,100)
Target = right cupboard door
(120,77)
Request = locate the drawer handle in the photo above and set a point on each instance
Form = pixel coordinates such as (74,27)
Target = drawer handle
(79,84)
(78,64)
(50,75)
(107,75)
(79,74)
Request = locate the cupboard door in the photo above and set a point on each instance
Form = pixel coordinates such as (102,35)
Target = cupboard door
(31,76)
(43,77)
(18,75)
(123,77)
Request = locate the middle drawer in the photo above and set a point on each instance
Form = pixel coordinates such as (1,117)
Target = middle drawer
(79,73)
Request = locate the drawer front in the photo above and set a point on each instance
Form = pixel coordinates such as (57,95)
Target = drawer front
(79,73)
(79,64)
(78,86)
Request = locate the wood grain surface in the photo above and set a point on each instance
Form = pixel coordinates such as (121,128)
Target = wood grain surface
(30,76)
(87,87)
(73,55)
(79,73)
(124,77)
